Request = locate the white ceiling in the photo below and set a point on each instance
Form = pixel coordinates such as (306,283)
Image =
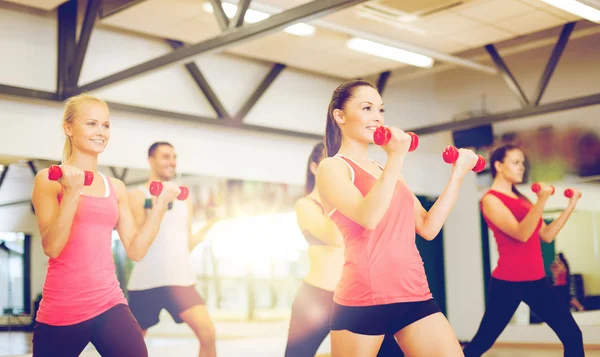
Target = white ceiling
(448,26)
(39,4)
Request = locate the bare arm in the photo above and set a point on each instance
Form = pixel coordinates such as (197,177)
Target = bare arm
(335,186)
(311,218)
(200,235)
(137,240)
(550,231)
(504,219)
(429,223)
(137,202)
(54,220)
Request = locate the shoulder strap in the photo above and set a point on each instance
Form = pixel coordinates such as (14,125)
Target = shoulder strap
(349,163)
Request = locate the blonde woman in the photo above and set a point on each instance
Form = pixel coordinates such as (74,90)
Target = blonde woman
(82,301)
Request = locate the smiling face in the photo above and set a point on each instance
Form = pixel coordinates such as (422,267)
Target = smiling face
(163,162)
(361,115)
(88,127)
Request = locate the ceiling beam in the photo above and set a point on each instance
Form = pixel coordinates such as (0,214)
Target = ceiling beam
(203,84)
(306,12)
(553,62)
(507,75)
(240,14)
(89,21)
(558,106)
(260,90)
(220,15)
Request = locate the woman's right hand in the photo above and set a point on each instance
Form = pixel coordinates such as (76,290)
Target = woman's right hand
(72,178)
(545,191)
(399,143)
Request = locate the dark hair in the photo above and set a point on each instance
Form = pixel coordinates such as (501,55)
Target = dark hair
(341,95)
(499,154)
(562,258)
(155,146)
(315,156)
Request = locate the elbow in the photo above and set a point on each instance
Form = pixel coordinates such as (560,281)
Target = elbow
(428,235)
(546,239)
(51,251)
(135,255)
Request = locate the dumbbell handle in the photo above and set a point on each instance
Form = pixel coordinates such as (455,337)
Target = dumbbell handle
(55,173)
(536,187)
(450,155)
(383,135)
(156,188)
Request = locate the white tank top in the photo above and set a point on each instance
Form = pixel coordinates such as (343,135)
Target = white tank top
(167,262)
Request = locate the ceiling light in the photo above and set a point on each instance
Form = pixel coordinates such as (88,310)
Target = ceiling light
(392,53)
(301,30)
(576,8)
(253,16)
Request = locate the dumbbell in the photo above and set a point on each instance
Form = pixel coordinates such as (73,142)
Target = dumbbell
(450,155)
(536,187)
(383,135)
(156,188)
(55,173)
(569,193)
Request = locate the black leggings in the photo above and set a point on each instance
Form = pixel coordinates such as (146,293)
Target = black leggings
(309,324)
(503,299)
(114,333)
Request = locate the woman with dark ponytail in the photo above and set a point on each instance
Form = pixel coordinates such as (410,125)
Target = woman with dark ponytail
(311,309)
(383,288)
(520,276)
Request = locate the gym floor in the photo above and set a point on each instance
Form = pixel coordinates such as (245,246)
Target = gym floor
(245,337)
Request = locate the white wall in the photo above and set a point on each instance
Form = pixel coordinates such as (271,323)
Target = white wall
(460,90)
(19,218)
(296,101)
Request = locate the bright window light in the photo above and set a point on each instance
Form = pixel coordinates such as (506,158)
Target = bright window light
(576,8)
(253,16)
(392,53)
(257,238)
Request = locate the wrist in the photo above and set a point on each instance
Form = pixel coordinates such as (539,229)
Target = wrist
(161,206)
(71,194)
(457,176)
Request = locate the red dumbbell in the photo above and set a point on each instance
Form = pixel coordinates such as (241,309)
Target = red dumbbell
(383,135)
(536,187)
(156,188)
(569,193)
(55,173)
(450,155)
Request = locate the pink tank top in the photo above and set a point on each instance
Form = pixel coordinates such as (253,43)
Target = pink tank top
(383,265)
(81,282)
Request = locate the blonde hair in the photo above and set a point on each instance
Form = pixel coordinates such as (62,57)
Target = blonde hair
(69,115)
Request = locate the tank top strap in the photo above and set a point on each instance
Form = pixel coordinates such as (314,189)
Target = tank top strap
(378,164)
(109,189)
(350,164)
